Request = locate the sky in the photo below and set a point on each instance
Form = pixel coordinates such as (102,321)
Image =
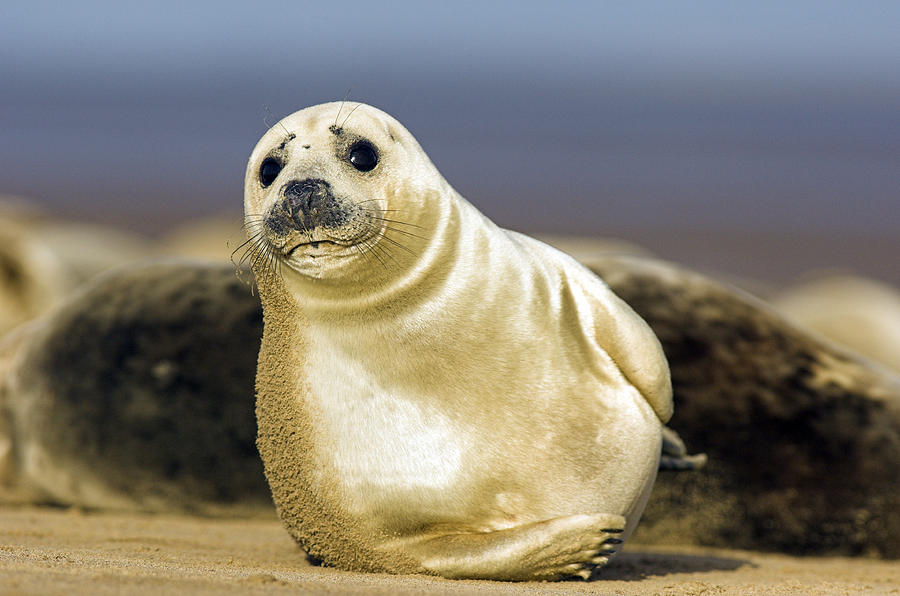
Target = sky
(595,118)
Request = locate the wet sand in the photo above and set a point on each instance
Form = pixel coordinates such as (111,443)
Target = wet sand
(56,551)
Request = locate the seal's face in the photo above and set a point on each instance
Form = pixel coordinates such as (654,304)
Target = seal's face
(319,186)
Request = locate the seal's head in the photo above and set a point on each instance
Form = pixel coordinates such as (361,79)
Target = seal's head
(331,190)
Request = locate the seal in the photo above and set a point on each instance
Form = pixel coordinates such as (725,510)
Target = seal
(115,399)
(859,313)
(43,260)
(803,436)
(436,394)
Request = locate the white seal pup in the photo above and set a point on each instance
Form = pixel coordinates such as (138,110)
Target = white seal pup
(859,313)
(43,260)
(436,394)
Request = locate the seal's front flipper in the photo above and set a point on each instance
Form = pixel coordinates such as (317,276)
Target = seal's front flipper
(675,456)
(563,547)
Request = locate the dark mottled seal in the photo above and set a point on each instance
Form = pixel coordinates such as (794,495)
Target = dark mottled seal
(803,438)
(138,393)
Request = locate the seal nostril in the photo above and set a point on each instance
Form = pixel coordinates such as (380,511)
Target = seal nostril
(308,201)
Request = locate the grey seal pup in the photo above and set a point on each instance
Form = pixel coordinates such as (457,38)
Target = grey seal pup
(436,394)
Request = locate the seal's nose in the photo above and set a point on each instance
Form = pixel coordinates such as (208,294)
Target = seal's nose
(304,205)
(309,197)
(310,202)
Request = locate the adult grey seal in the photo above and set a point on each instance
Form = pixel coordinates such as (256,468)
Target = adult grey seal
(436,394)
(137,393)
(803,437)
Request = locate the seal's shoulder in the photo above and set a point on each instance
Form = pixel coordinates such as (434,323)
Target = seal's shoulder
(615,326)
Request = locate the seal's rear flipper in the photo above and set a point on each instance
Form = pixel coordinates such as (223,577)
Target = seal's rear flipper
(563,547)
(675,456)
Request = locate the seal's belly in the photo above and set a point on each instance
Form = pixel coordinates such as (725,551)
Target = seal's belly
(385,452)
(404,461)
(388,443)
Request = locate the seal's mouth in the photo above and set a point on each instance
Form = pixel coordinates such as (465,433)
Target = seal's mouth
(314,244)
(309,220)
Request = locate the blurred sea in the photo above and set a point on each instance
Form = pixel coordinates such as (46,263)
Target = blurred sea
(724,144)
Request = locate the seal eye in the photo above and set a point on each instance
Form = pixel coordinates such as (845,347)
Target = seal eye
(362,156)
(269,170)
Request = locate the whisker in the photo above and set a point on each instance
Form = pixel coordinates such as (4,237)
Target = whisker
(248,257)
(269,126)
(397,244)
(268,264)
(240,246)
(248,254)
(387,252)
(374,254)
(259,254)
(406,233)
(245,224)
(255,237)
(350,114)
(341,107)
(397,221)
(252,221)
(361,251)
(247,249)
(249,238)
(377,209)
(367,201)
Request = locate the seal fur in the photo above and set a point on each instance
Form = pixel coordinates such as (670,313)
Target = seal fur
(803,437)
(42,260)
(436,394)
(136,394)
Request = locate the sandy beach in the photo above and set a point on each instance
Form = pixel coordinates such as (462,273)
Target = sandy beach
(59,551)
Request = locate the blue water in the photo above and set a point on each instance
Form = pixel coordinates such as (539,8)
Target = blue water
(589,118)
